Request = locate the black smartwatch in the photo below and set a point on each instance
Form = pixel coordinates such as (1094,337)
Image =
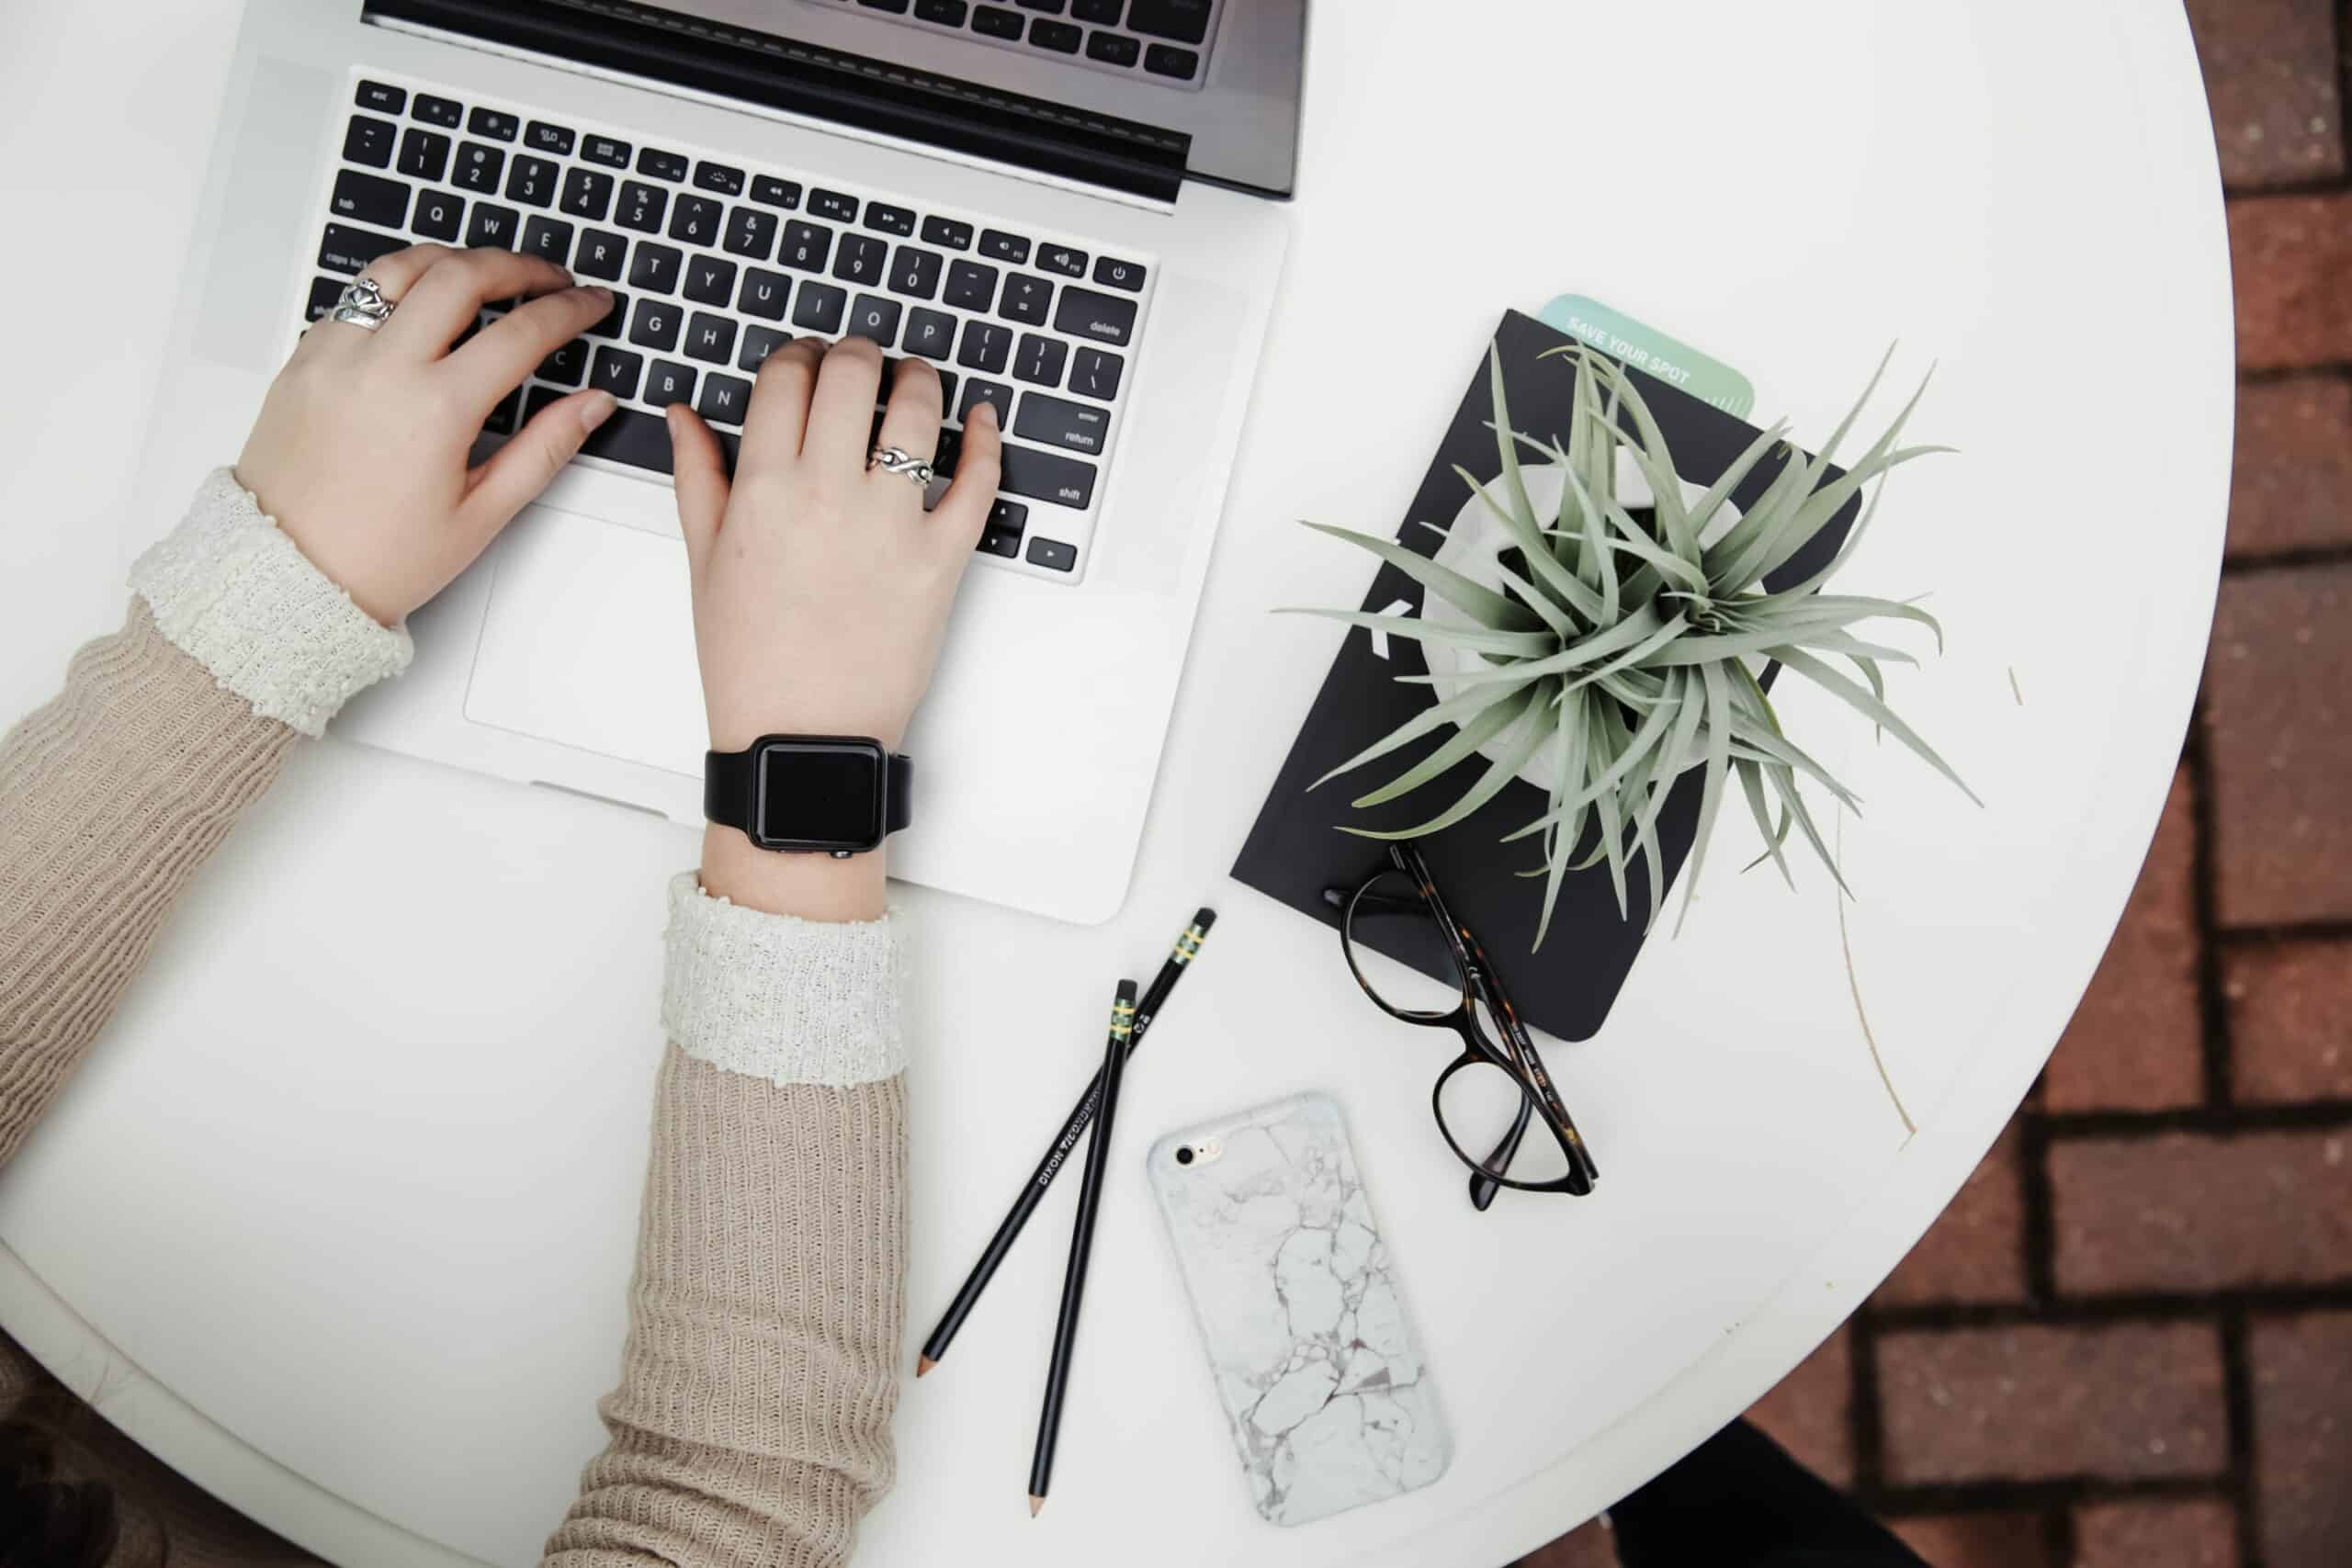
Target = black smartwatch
(836,795)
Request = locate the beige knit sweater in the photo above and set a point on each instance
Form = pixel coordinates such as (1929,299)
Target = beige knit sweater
(750,1425)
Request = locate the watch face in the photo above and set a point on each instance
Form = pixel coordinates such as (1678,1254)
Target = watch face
(821,793)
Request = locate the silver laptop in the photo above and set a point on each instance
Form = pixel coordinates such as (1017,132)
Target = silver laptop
(1073,207)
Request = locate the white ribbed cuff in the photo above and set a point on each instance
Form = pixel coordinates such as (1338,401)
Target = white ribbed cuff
(229,589)
(779,997)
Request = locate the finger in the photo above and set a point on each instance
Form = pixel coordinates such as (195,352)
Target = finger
(518,471)
(499,356)
(449,296)
(911,422)
(393,275)
(963,512)
(778,417)
(840,412)
(700,468)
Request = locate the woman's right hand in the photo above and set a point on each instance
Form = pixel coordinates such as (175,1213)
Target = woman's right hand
(821,587)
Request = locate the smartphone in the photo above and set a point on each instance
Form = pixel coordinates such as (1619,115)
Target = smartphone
(1295,1297)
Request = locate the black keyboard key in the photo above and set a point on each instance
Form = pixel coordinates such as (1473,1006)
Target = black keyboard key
(642,440)
(1105,317)
(503,419)
(1186,21)
(948,233)
(895,8)
(601,255)
(493,227)
(364,198)
(655,325)
(758,343)
(1115,273)
(546,238)
(823,203)
(324,293)
(587,194)
(710,281)
(381,96)
(721,177)
(994,393)
(1078,427)
(998,245)
(750,232)
(987,346)
(885,219)
(915,272)
(424,155)
(710,337)
(641,206)
(1101,13)
(817,308)
(876,318)
(806,245)
(669,382)
(370,140)
(1027,298)
(724,399)
(1051,7)
(860,259)
(1001,536)
(1053,554)
(477,168)
(439,216)
(1047,476)
(568,365)
(613,321)
(1059,36)
(656,267)
(971,286)
(947,388)
(1096,374)
(616,371)
(1113,48)
(1039,361)
(436,111)
(946,13)
(531,181)
(1167,59)
(765,293)
(1062,259)
(350,250)
(696,219)
(931,334)
(662,165)
(555,139)
(609,151)
(769,191)
(496,125)
(996,21)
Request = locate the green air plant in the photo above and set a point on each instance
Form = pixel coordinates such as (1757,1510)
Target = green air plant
(1630,648)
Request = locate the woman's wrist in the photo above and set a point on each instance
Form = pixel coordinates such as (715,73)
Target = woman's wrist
(811,887)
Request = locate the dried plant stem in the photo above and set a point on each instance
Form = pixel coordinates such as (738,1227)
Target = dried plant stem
(1854,985)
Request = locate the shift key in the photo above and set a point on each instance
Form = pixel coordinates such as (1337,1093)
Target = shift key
(1059,424)
(1047,476)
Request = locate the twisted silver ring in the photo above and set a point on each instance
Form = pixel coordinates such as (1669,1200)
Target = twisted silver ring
(893,460)
(362,303)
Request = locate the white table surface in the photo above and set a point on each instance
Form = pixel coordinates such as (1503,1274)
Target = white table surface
(337,1217)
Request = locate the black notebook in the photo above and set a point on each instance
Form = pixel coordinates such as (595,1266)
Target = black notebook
(1295,849)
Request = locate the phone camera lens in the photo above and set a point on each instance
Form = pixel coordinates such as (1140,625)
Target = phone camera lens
(1184,1154)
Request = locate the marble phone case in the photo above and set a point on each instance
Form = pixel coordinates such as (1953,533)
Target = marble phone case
(1319,1370)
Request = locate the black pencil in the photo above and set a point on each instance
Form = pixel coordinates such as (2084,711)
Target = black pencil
(1074,1127)
(1081,1243)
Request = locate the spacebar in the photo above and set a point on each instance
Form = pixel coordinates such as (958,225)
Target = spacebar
(642,440)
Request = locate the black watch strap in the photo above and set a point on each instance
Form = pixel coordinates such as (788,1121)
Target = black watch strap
(731,779)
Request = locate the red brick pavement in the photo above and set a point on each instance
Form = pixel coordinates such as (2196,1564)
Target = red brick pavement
(2128,1343)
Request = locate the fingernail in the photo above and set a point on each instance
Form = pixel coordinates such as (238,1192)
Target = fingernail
(595,409)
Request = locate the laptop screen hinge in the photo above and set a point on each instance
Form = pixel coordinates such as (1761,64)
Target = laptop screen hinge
(808,81)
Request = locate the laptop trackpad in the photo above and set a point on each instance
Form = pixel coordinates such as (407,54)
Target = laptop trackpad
(589,641)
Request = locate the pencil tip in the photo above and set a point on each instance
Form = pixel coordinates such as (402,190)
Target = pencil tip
(1035,1503)
(924,1364)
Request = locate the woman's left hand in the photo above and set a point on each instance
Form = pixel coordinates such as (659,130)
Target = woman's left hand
(361,450)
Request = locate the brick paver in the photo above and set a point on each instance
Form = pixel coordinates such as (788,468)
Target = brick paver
(2291,256)
(1978,1540)
(2272,82)
(2291,483)
(1811,1413)
(2302,1431)
(2196,1533)
(2195,1213)
(1975,1251)
(2290,1020)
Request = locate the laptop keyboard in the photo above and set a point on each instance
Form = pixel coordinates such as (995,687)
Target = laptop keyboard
(714,262)
(1146,40)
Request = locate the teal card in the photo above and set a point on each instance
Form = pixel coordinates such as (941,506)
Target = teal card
(1648,349)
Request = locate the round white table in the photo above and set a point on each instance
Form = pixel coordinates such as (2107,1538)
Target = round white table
(338,1216)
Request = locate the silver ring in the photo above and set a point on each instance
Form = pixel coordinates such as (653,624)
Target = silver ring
(362,304)
(893,460)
